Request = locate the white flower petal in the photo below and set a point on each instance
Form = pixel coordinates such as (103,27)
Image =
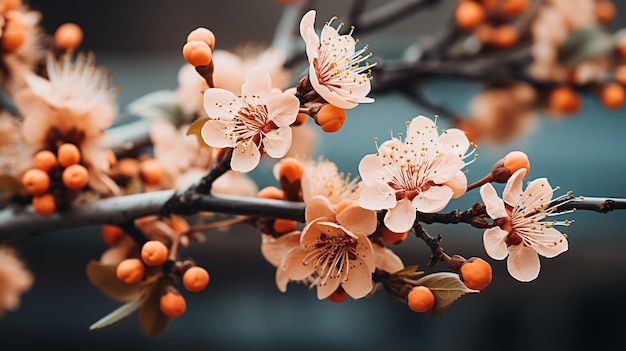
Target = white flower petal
(387,260)
(281,279)
(377,197)
(274,249)
(523,263)
(494,240)
(433,200)
(551,244)
(277,142)
(372,171)
(458,184)
(495,205)
(293,265)
(327,287)
(513,189)
(537,195)
(400,218)
(454,140)
(246,157)
(331,96)
(217,103)
(319,207)
(258,83)
(218,133)
(283,109)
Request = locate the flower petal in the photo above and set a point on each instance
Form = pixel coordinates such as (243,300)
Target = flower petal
(372,170)
(307,31)
(537,195)
(400,218)
(377,197)
(495,205)
(358,220)
(331,96)
(277,142)
(433,200)
(283,109)
(454,140)
(281,279)
(513,189)
(217,103)
(523,263)
(218,133)
(458,184)
(319,207)
(494,240)
(258,83)
(274,249)
(325,288)
(293,264)
(358,282)
(551,244)
(386,259)
(246,157)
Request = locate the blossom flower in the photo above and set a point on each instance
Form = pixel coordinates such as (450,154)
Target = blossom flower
(254,122)
(334,248)
(422,173)
(322,177)
(75,104)
(519,233)
(335,71)
(15,279)
(185,161)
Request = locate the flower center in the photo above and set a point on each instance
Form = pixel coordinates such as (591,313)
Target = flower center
(251,121)
(331,254)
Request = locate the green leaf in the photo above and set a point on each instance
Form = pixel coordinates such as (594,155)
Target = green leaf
(103,277)
(160,104)
(195,128)
(152,320)
(583,45)
(118,316)
(447,288)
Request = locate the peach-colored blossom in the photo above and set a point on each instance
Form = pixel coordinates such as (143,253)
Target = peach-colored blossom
(520,233)
(420,174)
(334,250)
(252,123)
(322,177)
(335,69)
(74,104)
(15,280)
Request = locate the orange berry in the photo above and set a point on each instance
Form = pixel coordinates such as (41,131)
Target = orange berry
(13,38)
(154,253)
(338,296)
(112,234)
(195,279)
(151,171)
(564,100)
(44,204)
(178,224)
(476,273)
(484,33)
(392,238)
(512,8)
(421,299)
(75,177)
(128,167)
(271,192)
(331,118)
(469,15)
(301,119)
(620,74)
(45,160)
(197,53)
(68,36)
(36,181)
(172,304)
(130,270)
(68,154)
(291,169)
(516,160)
(613,96)
(282,226)
(202,34)
(605,11)
(505,36)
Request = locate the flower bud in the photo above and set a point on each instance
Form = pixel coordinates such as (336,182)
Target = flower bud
(172,304)
(476,273)
(154,253)
(195,279)
(45,160)
(197,53)
(512,162)
(130,271)
(44,204)
(112,234)
(392,238)
(68,154)
(271,192)
(202,34)
(469,15)
(75,177)
(420,299)
(36,181)
(331,118)
(68,36)
(151,171)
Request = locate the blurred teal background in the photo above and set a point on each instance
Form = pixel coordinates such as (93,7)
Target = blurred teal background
(575,304)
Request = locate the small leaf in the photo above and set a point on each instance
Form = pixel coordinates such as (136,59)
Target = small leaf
(160,104)
(447,288)
(152,320)
(103,277)
(583,45)
(195,128)
(118,316)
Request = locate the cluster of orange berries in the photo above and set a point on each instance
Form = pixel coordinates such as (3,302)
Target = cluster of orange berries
(51,170)
(154,254)
(475,273)
(145,169)
(489,20)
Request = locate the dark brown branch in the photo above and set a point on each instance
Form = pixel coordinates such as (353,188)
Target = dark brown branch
(433,242)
